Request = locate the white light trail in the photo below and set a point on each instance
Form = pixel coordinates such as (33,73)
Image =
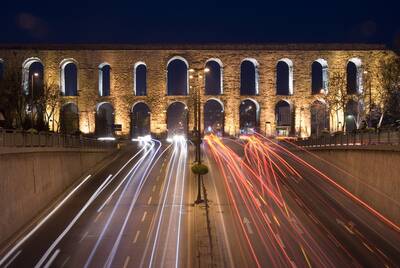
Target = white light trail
(131,175)
(43,221)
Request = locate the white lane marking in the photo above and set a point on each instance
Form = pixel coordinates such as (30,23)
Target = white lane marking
(83,237)
(144,216)
(154,188)
(71,224)
(98,216)
(247,223)
(52,258)
(136,237)
(116,174)
(28,235)
(149,202)
(65,262)
(130,174)
(170,167)
(143,179)
(184,151)
(126,262)
(12,259)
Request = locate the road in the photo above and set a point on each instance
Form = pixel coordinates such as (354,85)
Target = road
(273,210)
(267,208)
(129,214)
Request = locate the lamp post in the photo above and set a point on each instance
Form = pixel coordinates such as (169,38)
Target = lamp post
(32,91)
(199,74)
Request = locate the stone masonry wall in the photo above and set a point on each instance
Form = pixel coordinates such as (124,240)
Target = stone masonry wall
(122,61)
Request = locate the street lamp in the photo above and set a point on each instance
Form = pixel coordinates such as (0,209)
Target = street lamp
(198,73)
(32,92)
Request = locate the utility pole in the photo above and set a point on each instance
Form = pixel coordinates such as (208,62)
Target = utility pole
(199,74)
(32,92)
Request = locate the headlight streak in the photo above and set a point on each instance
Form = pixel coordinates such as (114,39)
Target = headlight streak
(143,180)
(342,189)
(131,175)
(170,168)
(250,196)
(28,235)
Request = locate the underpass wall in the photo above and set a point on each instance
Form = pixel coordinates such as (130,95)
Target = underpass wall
(31,179)
(375,174)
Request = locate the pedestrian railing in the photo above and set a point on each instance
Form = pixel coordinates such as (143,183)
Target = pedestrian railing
(387,137)
(19,138)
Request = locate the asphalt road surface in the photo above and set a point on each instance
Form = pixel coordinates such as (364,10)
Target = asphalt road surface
(266,209)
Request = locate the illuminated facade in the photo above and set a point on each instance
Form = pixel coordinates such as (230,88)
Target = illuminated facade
(295,62)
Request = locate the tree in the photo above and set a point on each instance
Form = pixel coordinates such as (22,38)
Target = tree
(388,91)
(336,97)
(48,102)
(13,100)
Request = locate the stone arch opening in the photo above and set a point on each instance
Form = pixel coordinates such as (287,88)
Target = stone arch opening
(69,118)
(214,117)
(284,77)
(249,119)
(140,79)
(177,77)
(69,78)
(249,77)
(33,77)
(104,120)
(104,79)
(140,120)
(177,119)
(1,69)
(283,118)
(354,76)
(319,77)
(352,115)
(319,118)
(213,78)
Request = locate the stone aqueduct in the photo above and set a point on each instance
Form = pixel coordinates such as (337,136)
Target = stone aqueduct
(123,60)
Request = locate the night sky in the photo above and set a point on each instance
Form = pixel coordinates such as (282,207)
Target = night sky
(209,21)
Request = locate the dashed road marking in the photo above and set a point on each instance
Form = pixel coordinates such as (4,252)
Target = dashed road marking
(98,216)
(83,237)
(65,262)
(126,262)
(144,216)
(154,188)
(136,237)
(148,202)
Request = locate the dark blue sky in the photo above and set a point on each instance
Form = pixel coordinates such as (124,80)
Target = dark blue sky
(166,21)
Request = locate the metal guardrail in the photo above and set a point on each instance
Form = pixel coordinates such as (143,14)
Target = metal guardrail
(353,139)
(19,138)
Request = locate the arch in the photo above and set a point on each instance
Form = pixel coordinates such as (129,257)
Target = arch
(1,68)
(319,117)
(69,77)
(214,116)
(352,114)
(140,120)
(69,118)
(177,119)
(104,119)
(249,77)
(354,76)
(177,76)
(249,116)
(140,79)
(283,118)
(319,76)
(32,76)
(104,79)
(284,77)
(214,77)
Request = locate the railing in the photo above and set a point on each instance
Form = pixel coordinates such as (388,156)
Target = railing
(387,137)
(18,138)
